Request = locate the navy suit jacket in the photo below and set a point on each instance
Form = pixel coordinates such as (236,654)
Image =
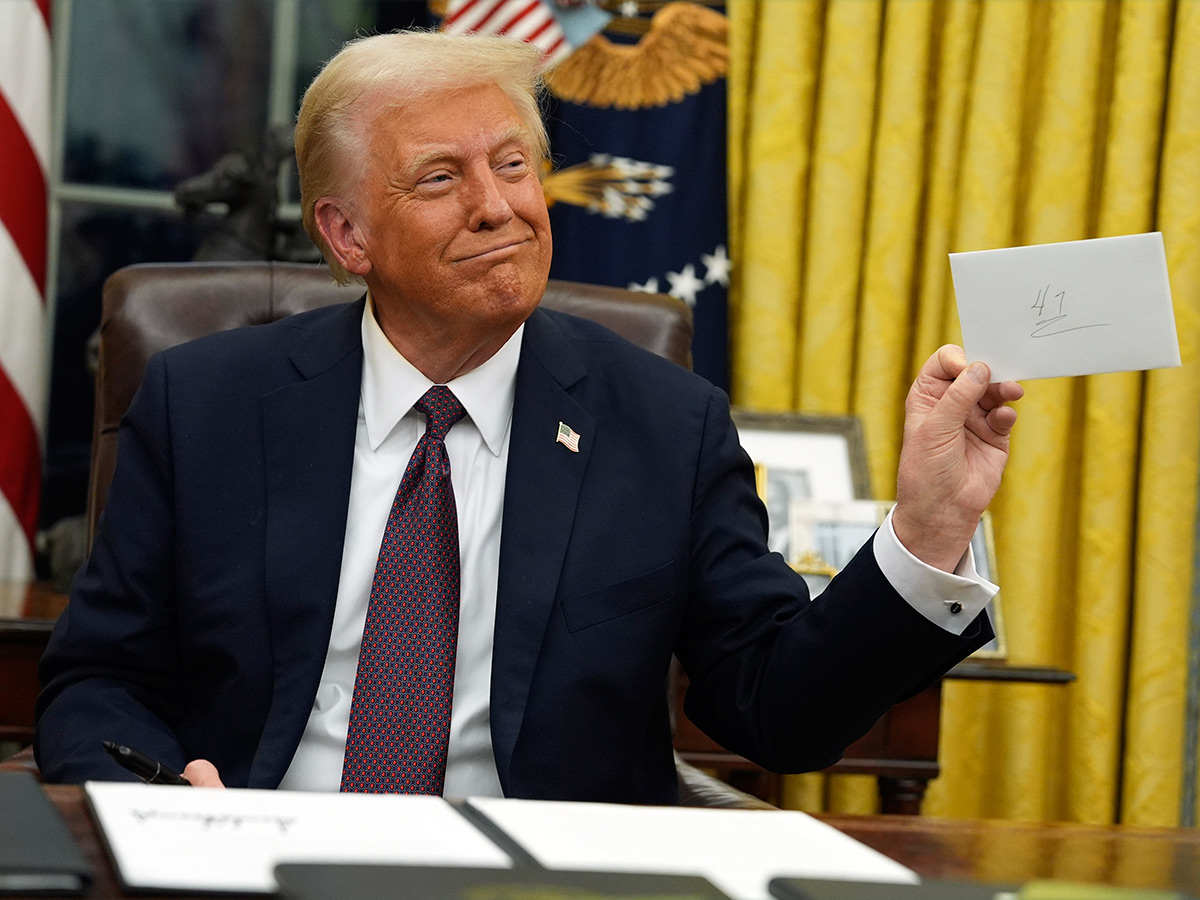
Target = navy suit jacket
(199,625)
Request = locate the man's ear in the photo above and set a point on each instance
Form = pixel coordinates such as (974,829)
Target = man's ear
(344,238)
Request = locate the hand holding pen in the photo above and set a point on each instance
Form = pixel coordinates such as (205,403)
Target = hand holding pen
(149,770)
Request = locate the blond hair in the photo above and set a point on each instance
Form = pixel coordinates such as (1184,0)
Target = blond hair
(398,68)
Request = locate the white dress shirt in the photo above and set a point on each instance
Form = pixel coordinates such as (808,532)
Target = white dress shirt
(388,431)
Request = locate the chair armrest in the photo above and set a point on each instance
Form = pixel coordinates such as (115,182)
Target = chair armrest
(22,761)
(698,788)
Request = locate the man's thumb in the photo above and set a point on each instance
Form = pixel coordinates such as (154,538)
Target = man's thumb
(963,394)
(202,773)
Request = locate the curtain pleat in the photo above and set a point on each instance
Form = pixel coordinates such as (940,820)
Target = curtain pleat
(868,139)
(889,264)
(1167,472)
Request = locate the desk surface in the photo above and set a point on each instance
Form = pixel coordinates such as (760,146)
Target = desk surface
(935,848)
(1167,858)
(36,601)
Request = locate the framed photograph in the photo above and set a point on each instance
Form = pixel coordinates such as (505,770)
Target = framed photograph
(798,456)
(825,535)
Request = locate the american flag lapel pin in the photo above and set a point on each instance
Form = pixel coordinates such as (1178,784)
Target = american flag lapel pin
(568,437)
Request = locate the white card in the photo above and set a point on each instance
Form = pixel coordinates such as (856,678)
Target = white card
(1075,308)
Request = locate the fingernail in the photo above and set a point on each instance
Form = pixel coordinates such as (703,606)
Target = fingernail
(978,373)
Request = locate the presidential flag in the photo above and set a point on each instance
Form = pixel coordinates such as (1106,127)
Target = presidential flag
(637,132)
(637,136)
(24,167)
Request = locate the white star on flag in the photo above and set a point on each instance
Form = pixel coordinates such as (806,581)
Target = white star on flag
(685,285)
(717,266)
(650,287)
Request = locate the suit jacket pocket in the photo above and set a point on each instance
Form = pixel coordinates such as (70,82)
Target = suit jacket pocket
(607,603)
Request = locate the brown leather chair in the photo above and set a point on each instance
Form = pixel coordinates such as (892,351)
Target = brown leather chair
(150,307)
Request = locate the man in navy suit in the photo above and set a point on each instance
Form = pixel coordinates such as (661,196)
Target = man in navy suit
(606,515)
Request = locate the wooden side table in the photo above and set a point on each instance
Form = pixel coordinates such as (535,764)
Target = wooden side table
(27,614)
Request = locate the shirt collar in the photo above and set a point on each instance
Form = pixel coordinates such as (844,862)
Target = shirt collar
(391,385)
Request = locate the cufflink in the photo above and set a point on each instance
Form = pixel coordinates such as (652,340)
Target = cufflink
(955,606)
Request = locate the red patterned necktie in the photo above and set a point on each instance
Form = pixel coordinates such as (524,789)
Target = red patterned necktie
(400,711)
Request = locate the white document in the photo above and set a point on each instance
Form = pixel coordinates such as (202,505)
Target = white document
(738,850)
(178,838)
(1075,308)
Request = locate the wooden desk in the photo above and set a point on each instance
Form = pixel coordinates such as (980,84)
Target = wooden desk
(934,848)
(1015,852)
(902,748)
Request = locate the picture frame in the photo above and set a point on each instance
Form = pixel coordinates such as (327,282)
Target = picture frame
(825,535)
(798,455)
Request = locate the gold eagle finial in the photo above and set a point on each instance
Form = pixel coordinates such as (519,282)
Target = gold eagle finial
(685,47)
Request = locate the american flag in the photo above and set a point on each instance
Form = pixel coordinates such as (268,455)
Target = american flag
(556,28)
(568,437)
(24,165)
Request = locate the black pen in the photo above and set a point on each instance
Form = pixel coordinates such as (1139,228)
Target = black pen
(149,770)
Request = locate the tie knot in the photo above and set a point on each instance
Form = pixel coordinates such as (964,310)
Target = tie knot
(441,409)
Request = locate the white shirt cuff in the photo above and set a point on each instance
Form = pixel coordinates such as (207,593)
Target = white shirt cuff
(950,601)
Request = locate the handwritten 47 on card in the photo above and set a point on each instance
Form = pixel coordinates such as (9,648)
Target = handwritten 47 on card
(1075,308)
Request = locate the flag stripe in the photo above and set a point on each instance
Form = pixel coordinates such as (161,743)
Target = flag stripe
(22,329)
(20,458)
(557,51)
(530,7)
(24,163)
(456,11)
(534,21)
(489,14)
(23,196)
(537,32)
(16,555)
(470,15)
(25,72)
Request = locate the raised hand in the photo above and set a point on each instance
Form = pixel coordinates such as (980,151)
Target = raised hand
(956,428)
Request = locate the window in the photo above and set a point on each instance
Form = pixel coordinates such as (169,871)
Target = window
(150,93)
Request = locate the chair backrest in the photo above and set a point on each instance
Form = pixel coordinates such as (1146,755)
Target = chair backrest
(150,307)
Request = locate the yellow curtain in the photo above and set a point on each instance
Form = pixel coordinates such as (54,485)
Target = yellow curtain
(867,139)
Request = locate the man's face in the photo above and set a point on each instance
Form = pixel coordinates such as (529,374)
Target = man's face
(452,216)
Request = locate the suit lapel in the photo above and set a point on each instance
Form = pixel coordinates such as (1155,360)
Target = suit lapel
(541,490)
(309,430)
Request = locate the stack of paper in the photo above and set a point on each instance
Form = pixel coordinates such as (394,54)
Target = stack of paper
(177,838)
(173,838)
